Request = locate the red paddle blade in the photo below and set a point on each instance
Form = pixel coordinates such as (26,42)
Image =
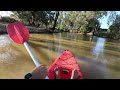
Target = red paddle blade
(18,32)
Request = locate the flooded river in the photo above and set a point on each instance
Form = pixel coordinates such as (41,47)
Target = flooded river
(98,59)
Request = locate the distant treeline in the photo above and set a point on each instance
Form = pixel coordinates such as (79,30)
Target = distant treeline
(57,21)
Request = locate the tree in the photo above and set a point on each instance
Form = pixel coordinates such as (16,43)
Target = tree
(115,28)
(55,20)
(34,18)
(112,16)
(93,25)
(79,19)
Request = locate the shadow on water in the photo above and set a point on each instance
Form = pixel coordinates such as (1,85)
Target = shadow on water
(54,42)
(38,49)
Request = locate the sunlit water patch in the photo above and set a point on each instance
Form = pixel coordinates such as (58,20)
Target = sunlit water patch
(6,51)
(4,41)
(8,56)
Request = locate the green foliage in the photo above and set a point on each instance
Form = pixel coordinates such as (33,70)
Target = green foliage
(103,34)
(34,18)
(81,20)
(112,16)
(108,30)
(115,28)
(93,24)
(83,29)
(7,19)
(60,28)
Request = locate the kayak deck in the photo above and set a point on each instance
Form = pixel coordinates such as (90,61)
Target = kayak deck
(66,63)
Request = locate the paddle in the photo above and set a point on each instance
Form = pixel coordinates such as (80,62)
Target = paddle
(20,34)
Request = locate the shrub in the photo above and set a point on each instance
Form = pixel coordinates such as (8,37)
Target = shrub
(7,19)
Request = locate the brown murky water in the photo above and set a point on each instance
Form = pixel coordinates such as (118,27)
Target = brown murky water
(98,59)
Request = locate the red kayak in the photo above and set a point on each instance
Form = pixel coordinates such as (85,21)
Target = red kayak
(66,63)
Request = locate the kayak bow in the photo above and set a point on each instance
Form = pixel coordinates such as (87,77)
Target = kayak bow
(66,63)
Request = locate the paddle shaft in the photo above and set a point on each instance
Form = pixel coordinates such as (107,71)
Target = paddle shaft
(33,56)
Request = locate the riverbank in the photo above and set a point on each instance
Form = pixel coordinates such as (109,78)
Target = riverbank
(45,30)
(31,29)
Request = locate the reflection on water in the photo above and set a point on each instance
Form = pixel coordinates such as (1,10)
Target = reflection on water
(97,59)
(98,51)
(99,48)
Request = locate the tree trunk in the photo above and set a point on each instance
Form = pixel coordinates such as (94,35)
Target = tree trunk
(29,22)
(55,21)
(93,31)
(33,18)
